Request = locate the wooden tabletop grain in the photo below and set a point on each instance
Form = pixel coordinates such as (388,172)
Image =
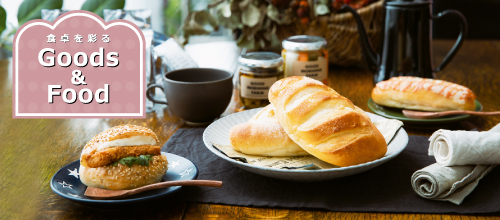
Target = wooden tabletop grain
(32,150)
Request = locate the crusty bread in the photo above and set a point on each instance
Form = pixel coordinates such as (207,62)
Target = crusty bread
(423,94)
(124,177)
(324,123)
(263,135)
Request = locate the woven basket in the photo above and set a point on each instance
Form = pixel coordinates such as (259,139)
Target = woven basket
(341,33)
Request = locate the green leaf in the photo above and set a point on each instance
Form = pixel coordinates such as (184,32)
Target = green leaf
(273,13)
(322,9)
(204,17)
(172,17)
(32,9)
(129,161)
(251,16)
(243,5)
(146,159)
(3,19)
(98,6)
(225,9)
(196,23)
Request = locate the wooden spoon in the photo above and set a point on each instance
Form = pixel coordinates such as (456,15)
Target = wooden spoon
(96,193)
(427,115)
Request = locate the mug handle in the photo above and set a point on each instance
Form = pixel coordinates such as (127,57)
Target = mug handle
(460,39)
(150,97)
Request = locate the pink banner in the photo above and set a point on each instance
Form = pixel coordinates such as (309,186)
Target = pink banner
(79,67)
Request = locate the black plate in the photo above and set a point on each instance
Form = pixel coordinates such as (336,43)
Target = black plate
(66,183)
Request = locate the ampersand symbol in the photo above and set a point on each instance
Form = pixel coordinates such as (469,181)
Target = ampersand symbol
(78,78)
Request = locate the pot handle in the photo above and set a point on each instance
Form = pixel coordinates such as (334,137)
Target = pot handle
(460,39)
(150,97)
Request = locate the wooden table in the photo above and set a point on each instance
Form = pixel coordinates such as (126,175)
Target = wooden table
(32,150)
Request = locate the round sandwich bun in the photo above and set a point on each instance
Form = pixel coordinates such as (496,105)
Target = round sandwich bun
(96,163)
(124,177)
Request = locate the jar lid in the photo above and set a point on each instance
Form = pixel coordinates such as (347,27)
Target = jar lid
(408,3)
(304,43)
(261,59)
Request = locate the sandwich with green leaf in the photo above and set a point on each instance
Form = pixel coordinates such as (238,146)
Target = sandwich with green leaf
(122,157)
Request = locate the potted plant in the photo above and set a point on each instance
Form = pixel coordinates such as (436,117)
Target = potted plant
(263,24)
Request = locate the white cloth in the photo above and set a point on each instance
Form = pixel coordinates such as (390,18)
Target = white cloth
(465,147)
(451,184)
(174,56)
(450,179)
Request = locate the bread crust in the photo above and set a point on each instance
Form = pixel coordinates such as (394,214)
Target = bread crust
(124,177)
(324,123)
(262,135)
(423,94)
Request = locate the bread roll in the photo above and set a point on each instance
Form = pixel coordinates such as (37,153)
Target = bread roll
(263,135)
(324,123)
(100,166)
(423,94)
(124,177)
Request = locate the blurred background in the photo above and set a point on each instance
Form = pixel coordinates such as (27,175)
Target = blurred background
(214,33)
(255,25)
(233,19)
(167,15)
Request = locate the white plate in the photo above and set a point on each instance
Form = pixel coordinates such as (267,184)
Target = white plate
(218,132)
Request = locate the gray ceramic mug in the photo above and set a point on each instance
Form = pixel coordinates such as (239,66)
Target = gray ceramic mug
(197,95)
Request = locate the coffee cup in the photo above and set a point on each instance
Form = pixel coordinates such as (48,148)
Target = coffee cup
(197,95)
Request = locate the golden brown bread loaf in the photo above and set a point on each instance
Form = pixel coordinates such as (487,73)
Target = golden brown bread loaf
(423,94)
(263,135)
(100,166)
(324,123)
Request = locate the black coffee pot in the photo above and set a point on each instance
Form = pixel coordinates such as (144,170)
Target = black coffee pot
(406,47)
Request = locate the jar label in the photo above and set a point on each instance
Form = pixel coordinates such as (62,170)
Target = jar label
(317,70)
(256,88)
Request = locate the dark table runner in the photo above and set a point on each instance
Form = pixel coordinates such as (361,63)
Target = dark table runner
(386,188)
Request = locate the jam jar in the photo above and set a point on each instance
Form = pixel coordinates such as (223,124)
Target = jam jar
(306,55)
(258,72)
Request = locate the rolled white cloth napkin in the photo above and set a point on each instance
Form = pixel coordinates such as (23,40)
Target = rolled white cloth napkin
(465,147)
(451,184)
(454,183)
